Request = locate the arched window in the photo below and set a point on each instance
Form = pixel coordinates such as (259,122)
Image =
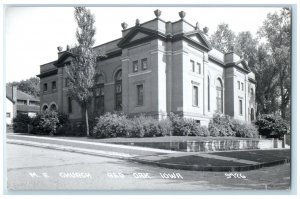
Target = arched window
(53,107)
(208,93)
(219,88)
(118,90)
(99,94)
(45,107)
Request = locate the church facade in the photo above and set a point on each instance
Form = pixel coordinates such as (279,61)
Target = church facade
(155,68)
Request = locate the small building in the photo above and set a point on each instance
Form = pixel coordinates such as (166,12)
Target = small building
(20,102)
(155,68)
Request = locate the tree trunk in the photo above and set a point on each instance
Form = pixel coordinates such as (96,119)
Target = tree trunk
(87,122)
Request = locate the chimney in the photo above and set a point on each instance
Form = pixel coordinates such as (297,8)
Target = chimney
(230,56)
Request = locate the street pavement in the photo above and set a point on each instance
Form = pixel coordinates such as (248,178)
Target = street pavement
(201,161)
(35,168)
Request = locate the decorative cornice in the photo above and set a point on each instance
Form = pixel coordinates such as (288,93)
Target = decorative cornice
(48,73)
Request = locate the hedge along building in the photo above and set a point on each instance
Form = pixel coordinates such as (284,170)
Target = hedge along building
(155,68)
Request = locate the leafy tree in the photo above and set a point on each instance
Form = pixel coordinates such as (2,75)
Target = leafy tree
(276,30)
(246,47)
(223,39)
(81,71)
(30,86)
(266,87)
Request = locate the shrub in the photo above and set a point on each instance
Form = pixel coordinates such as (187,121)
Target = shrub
(203,131)
(49,123)
(243,129)
(223,125)
(213,129)
(183,126)
(165,127)
(272,126)
(20,123)
(111,125)
(144,127)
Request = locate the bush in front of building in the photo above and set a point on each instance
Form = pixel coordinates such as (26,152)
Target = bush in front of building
(49,123)
(165,127)
(221,125)
(20,123)
(272,126)
(243,129)
(144,127)
(112,125)
(184,126)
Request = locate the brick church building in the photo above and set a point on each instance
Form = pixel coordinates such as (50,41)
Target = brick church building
(155,68)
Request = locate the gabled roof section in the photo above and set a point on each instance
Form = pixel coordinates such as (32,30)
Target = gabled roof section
(137,34)
(199,37)
(24,96)
(243,64)
(20,95)
(9,94)
(62,58)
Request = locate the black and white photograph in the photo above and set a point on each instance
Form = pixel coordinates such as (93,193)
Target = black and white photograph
(148,99)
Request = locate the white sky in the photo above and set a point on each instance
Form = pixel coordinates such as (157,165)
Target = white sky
(32,34)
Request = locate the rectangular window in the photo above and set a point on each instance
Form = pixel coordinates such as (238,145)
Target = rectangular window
(70,105)
(195,96)
(241,106)
(7,114)
(66,82)
(140,95)
(199,68)
(54,85)
(242,86)
(192,66)
(45,87)
(135,66)
(144,64)
(239,85)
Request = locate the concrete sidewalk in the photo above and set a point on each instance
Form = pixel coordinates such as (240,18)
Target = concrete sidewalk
(216,161)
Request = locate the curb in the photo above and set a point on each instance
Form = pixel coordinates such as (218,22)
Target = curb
(213,168)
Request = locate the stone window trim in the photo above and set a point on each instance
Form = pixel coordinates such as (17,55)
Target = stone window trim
(240,106)
(136,83)
(44,107)
(220,94)
(144,64)
(135,66)
(54,86)
(239,85)
(195,83)
(195,96)
(45,87)
(208,93)
(118,90)
(140,95)
(53,106)
(192,62)
(199,68)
